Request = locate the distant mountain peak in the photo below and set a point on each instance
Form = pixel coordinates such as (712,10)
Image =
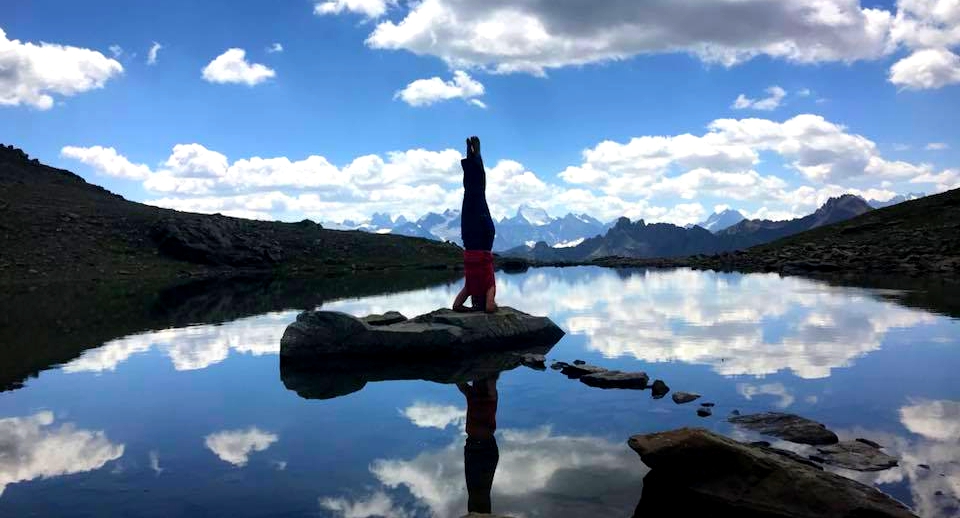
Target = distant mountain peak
(721,220)
(534,215)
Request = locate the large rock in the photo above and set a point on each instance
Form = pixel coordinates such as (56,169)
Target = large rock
(856,455)
(317,335)
(337,377)
(788,427)
(695,472)
(214,240)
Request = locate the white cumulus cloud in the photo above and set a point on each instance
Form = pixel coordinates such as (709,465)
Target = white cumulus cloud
(424,92)
(368,8)
(232,67)
(107,161)
(32,73)
(926,69)
(771,102)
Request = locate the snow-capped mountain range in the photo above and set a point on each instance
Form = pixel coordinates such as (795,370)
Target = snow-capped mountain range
(531,225)
(528,226)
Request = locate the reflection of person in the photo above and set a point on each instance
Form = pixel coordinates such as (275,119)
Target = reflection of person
(480,452)
(477,231)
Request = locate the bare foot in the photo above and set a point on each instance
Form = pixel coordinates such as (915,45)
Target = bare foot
(460,308)
(491,307)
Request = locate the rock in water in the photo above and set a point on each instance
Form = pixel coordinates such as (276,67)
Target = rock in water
(659,389)
(534,361)
(704,412)
(386,319)
(789,427)
(575,371)
(698,473)
(856,455)
(616,380)
(325,334)
(684,397)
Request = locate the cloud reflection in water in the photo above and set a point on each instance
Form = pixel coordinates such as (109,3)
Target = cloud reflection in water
(33,447)
(755,324)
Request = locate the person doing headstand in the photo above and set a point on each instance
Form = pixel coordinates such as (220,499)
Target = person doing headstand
(477,231)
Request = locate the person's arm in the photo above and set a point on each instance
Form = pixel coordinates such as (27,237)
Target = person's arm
(461,298)
(491,305)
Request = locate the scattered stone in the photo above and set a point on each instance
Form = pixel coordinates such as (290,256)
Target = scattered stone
(659,389)
(695,472)
(616,379)
(579,362)
(534,361)
(576,371)
(386,319)
(938,493)
(559,365)
(868,442)
(789,427)
(735,412)
(708,405)
(684,397)
(323,334)
(856,455)
(924,466)
(704,412)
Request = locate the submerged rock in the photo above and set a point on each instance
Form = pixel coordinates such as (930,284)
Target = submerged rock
(616,380)
(788,427)
(856,455)
(577,371)
(659,389)
(386,319)
(684,397)
(559,366)
(695,472)
(534,361)
(323,334)
(704,412)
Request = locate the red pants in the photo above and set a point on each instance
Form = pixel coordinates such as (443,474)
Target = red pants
(478,268)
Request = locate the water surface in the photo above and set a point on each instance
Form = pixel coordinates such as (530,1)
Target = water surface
(195,420)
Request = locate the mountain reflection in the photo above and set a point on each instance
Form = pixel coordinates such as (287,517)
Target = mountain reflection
(754,324)
(34,447)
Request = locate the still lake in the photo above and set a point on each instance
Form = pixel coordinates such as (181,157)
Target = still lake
(195,420)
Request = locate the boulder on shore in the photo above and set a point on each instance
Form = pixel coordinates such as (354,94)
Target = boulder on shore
(695,472)
(788,427)
(442,333)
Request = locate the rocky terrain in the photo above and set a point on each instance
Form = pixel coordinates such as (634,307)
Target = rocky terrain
(56,226)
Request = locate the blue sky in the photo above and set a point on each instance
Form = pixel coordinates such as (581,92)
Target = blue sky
(609,110)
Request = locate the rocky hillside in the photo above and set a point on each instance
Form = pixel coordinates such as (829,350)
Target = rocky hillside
(915,237)
(663,240)
(56,226)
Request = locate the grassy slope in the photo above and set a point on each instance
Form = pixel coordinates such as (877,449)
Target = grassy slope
(55,226)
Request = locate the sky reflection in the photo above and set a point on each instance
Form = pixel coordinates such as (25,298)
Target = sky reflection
(737,324)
